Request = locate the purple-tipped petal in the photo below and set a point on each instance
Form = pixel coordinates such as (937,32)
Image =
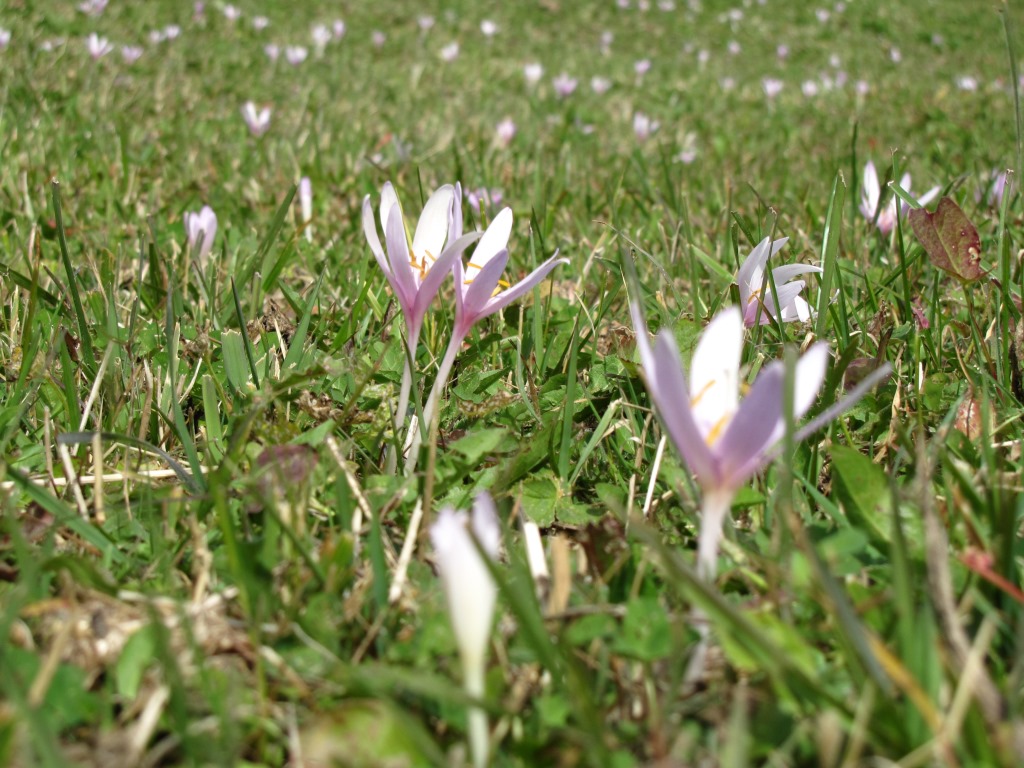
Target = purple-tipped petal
(753,430)
(751,272)
(506,297)
(440,270)
(455,225)
(388,200)
(484,282)
(370,231)
(782,275)
(641,333)
(810,374)
(405,282)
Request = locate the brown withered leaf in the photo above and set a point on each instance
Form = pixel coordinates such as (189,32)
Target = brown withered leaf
(950,239)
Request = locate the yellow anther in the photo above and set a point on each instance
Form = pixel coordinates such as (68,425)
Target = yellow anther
(696,398)
(716,431)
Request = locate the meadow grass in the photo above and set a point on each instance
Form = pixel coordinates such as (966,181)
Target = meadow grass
(200,545)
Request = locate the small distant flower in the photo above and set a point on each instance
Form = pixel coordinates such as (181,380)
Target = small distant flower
(533,72)
(871,196)
(198,10)
(450,52)
(489,28)
(338,28)
(895,55)
(938,40)
(839,7)
(426,23)
(834,61)
(643,126)
(378,38)
(564,85)
(52,44)
(623,4)
(200,230)
(782,51)
(321,36)
(728,83)
(667,5)
(734,48)
(841,78)
(5,38)
(131,53)
(306,206)
(471,594)
(505,132)
(996,189)
(642,67)
(156,36)
(822,15)
(703,56)
(483,198)
(600,85)
(862,87)
(256,119)
(97,46)
(272,51)
(295,54)
(809,88)
(93,7)
(172,32)
(606,42)
(735,15)
(760,306)
(772,87)
(967,83)
(231,13)
(259,23)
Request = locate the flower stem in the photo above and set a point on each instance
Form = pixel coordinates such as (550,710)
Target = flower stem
(476,717)
(443,372)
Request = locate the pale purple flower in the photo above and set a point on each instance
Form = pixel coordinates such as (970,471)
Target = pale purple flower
(809,88)
(841,78)
(862,87)
(198,10)
(378,38)
(483,198)
(93,7)
(938,40)
(734,48)
(834,61)
(606,42)
(967,83)
(533,72)
(728,83)
(871,196)
(5,38)
(564,85)
(489,28)
(505,131)
(426,23)
(643,126)
(996,184)
(256,119)
(772,87)
(172,32)
(471,595)
(782,52)
(259,23)
(338,28)
(272,51)
(156,36)
(97,46)
(131,53)
(320,36)
(757,301)
(306,206)
(450,52)
(52,44)
(723,441)
(642,67)
(200,230)
(295,54)
(623,4)
(895,55)
(231,12)
(600,85)
(823,15)
(667,5)
(703,57)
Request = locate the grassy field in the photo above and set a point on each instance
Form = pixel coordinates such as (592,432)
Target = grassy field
(212,548)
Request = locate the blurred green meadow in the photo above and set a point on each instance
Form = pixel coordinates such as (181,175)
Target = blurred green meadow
(200,545)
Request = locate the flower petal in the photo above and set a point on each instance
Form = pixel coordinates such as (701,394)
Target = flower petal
(782,275)
(405,283)
(432,228)
(714,373)
(440,270)
(666,382)
(506,297)
(751,272)
(370,231)
(495,239)
(481,284)
(755,428)
(388,200)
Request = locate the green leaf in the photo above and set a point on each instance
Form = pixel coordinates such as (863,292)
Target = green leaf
(646,634)
(538,497)
(136,656)
(236,363)
(862,488)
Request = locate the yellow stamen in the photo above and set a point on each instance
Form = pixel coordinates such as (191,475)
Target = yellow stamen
(716,431)
(697,397)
